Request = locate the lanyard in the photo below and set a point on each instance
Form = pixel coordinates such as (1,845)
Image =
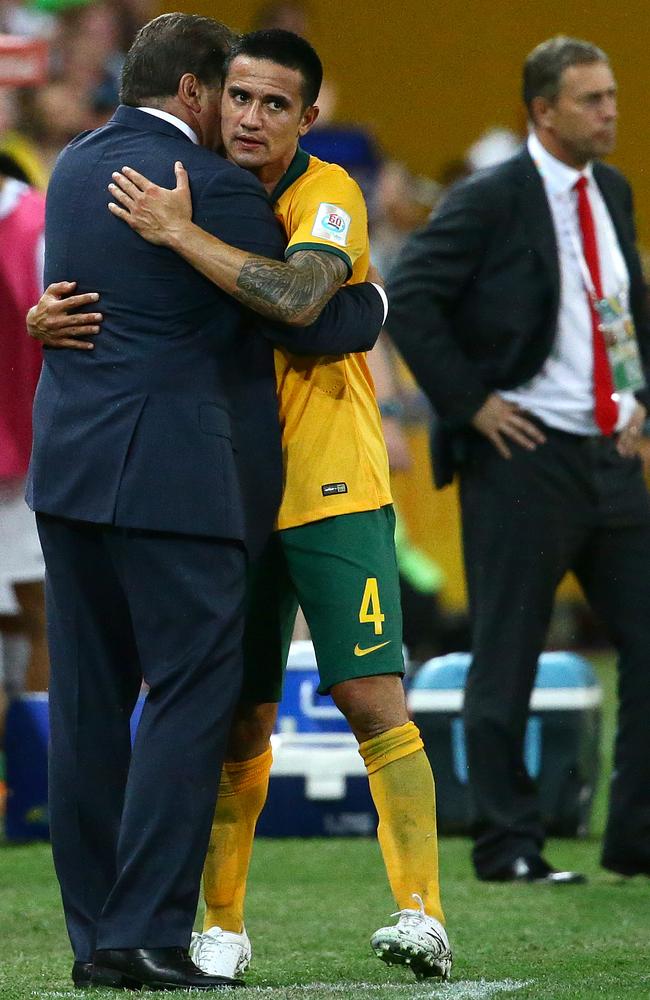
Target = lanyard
(585,273)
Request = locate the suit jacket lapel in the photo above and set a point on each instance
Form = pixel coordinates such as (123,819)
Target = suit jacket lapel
(537,218)
(617,215)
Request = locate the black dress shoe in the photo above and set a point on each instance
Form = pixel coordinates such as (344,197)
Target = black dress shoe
(533,868)
(81,975)
(154,969)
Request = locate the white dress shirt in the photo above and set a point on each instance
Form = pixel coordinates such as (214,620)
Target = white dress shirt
(562,392)
(173,120)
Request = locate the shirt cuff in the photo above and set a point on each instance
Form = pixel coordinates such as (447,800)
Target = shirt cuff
(384,299)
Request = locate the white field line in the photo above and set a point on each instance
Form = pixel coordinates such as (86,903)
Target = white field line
(463,990)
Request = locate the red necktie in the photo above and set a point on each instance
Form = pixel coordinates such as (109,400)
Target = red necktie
(605,408)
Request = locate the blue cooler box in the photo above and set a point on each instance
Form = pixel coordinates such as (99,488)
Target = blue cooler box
(303,709)
(26,737)
(318,788)
(562,745)
(26,742)
(318,785)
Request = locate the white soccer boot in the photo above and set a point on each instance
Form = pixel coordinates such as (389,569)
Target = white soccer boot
(416,940)
(221,953)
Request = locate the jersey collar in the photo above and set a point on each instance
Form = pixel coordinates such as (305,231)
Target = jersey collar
(296,169)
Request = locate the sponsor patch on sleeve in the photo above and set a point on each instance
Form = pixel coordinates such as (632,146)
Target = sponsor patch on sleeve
(332,223)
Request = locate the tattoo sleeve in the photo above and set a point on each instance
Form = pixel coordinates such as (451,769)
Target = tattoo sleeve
(294,291)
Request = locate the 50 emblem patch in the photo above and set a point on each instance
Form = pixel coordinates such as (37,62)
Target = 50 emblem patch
(332,223)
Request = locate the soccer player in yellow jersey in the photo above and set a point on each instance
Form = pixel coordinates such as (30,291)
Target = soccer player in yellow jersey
(333,552)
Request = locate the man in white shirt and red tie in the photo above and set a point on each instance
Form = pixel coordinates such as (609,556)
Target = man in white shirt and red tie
(521,310)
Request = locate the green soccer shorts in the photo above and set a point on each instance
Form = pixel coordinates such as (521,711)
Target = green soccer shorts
(342,571)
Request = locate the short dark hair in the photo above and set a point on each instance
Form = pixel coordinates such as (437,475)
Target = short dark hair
(285,49)
(545,65)
(167,48)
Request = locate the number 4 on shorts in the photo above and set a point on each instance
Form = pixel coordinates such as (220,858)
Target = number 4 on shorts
(370,610)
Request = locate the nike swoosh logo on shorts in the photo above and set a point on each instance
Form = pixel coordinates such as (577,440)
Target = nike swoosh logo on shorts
(358,651)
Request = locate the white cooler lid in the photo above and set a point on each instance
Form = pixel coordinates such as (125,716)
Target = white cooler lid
(324,760)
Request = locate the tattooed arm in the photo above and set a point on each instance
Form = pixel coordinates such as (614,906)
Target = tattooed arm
(293,292)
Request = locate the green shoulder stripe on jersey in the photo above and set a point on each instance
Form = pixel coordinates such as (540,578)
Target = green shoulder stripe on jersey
(321,248)
(296,169)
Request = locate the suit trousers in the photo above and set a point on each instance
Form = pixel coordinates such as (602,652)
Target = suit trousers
(130,827)
(572,503)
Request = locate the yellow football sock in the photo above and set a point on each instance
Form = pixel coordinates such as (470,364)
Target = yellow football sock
(402,788)
(242,794)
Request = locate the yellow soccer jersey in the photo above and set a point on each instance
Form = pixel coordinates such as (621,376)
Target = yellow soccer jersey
(335,458)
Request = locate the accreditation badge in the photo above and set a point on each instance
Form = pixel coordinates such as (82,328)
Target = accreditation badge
(617,325)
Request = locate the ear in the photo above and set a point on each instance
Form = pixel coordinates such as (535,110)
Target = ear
(309,116)
(189,92)
(541,112)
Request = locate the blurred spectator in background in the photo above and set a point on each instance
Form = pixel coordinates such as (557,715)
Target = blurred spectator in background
(52,116)
(388,393)
(352,146)
(22,212)
(403,203)
(87,45)
(86,59)
(494,146)
(501,306)
(20,155)
(420,577)
(31,20)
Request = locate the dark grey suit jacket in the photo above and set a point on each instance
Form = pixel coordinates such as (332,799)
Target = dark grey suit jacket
(475,296)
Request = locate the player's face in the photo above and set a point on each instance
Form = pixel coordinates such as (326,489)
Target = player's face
(582,120)
(262,115)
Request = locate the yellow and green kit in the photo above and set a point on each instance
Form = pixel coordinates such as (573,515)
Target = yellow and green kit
(333,553)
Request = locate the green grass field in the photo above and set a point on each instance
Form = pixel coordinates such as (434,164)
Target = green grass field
(314,904)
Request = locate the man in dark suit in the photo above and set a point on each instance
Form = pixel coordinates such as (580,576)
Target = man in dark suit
(510,308)
(156,465)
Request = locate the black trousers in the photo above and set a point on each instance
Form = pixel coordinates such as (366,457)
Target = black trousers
(130,829)
(573,503)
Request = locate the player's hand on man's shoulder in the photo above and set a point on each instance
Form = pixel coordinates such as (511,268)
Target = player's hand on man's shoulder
(55,323)
(501,421)
(158,214)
